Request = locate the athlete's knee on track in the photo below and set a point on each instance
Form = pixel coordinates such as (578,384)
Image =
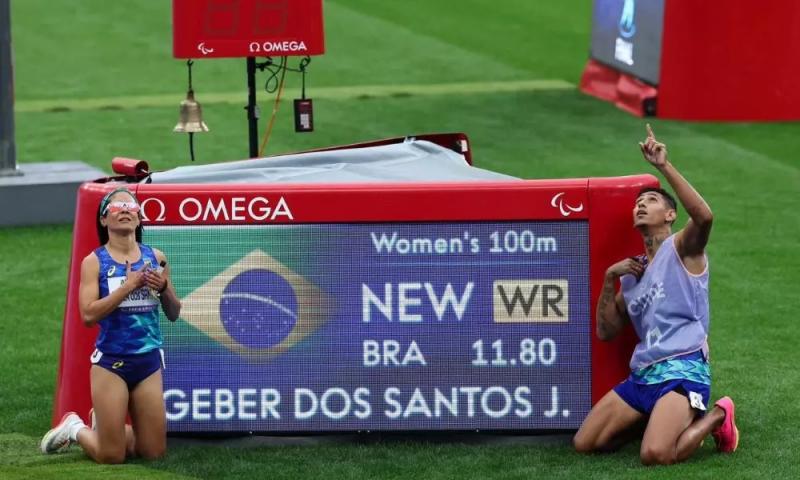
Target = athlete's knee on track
(151,452)
(658,455)
(589,442)
(110,456)
(582,443)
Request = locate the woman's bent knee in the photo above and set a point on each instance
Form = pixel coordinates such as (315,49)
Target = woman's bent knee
(152,453)
(657,456)
(582,444)
(110,457)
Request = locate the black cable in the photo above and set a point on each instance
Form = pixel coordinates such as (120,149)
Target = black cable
(272,82)
(189,64)
(191,145)
(275,69)
(303,64)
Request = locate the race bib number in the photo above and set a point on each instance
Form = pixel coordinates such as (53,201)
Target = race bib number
(697,401)
(139,300)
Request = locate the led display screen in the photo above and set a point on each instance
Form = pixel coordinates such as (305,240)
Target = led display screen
(378,326)
(626,35)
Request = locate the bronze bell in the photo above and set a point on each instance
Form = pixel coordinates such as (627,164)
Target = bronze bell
(191,116)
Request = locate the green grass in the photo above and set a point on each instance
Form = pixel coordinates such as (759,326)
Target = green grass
(749,173)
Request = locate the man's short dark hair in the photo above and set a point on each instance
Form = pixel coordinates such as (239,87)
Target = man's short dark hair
(665,194)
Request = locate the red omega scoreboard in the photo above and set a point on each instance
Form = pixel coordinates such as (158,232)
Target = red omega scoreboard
(375,307)
(246,28)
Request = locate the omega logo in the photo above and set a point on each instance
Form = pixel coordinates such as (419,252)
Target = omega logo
(285,46)
(161,209)
(236,209)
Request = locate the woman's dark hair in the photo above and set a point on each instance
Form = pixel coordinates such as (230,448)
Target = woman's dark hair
(102,232)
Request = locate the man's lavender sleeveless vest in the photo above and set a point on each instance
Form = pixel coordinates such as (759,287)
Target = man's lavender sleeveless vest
(668,307)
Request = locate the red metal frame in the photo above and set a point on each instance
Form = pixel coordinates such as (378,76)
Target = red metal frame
(623,90)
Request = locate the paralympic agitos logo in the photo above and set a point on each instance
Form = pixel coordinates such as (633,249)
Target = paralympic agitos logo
(257,307)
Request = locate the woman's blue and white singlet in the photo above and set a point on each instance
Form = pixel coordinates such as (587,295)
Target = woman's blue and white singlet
(132,327)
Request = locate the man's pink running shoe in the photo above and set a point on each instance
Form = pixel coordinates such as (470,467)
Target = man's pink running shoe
(727,435)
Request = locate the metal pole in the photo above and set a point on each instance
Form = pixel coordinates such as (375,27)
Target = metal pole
(252,108)
(8,153)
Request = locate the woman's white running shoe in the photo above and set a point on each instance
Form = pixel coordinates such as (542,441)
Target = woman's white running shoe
(57,439)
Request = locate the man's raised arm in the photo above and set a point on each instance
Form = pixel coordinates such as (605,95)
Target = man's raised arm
(692,239)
